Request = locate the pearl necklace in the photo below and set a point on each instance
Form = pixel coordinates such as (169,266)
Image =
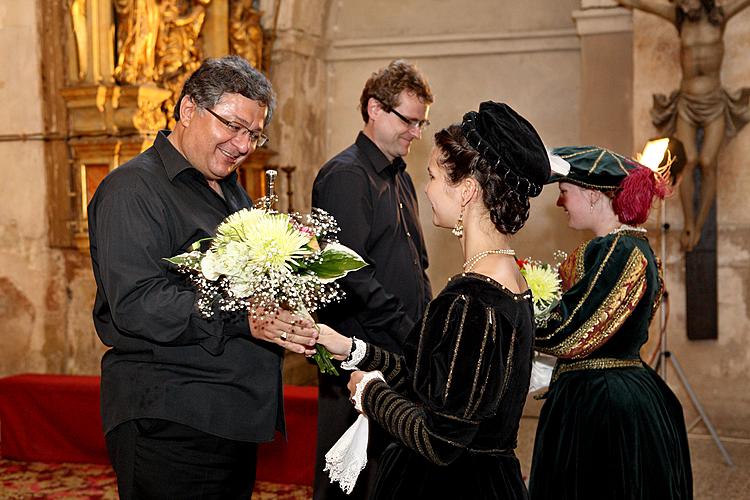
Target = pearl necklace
(469,264)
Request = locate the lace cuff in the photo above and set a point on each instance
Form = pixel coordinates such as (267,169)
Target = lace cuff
(368,377)
(359,348)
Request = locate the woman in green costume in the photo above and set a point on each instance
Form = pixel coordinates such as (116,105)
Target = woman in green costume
(610,428)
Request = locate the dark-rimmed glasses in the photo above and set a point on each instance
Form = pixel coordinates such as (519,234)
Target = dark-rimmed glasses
(256,137)
(411,122)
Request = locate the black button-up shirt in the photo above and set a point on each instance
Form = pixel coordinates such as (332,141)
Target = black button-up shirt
(165,361)
(375,204)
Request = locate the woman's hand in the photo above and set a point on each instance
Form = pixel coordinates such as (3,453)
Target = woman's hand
(338,345)
(354,379)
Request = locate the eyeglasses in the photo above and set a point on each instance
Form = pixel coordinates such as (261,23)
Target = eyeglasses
(256,137)
(411,122)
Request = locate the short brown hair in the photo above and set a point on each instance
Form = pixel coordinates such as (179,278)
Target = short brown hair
(387,84)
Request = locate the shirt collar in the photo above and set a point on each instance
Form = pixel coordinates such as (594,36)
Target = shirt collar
(173,161)
(376,156)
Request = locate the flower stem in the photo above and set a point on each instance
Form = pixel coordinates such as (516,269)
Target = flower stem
(323,358)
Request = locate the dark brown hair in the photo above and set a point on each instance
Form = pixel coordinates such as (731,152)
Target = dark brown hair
(508,209)
(387,84)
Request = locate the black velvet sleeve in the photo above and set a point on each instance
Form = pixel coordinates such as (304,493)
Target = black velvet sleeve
(457,381)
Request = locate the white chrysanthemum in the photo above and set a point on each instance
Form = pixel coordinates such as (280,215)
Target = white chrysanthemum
(274,243)
(543,281)
(210,266)
(237,226)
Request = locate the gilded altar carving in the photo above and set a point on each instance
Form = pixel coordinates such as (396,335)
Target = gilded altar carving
(245,32)
(124,66)
(178,47)
(137,28)
(158,42)
(77,9)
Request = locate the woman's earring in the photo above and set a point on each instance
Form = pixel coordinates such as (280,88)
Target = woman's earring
(458,229)
(591,207)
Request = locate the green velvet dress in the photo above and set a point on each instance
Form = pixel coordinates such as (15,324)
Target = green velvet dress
(610,428)
(454,400)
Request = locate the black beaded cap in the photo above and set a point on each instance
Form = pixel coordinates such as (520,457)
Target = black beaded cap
(510,144)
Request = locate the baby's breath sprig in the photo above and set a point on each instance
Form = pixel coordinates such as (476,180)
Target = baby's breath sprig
(262,260)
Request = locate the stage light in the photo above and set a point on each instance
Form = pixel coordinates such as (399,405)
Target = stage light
(653,153)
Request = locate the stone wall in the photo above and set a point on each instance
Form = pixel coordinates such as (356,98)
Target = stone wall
(717,370)
(523,53)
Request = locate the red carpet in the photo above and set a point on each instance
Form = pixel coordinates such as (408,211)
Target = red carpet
(67,481)
(53,446)
(55,418)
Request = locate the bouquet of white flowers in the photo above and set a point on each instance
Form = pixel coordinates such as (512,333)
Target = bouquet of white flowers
(545,285)
(261,260)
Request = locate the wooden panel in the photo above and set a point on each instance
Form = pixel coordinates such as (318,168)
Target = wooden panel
(701,293)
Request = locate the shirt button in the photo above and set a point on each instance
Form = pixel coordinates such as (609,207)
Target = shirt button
(400,205)
(408,234)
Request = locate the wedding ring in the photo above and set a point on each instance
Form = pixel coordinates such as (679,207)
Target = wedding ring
(283,336)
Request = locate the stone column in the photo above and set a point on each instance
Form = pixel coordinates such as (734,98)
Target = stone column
(606,33)
(298,73)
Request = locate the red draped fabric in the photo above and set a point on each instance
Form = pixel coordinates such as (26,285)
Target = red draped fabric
(55,418)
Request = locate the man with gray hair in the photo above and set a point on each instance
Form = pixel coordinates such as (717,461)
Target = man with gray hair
(185,400)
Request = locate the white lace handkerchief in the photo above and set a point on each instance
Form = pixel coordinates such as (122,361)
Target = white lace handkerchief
(541,371)
(346,459)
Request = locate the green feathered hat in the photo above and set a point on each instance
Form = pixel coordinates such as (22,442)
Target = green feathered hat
(592,167)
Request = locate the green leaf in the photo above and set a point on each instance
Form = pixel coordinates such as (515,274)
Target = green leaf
(335,262)
(190,259)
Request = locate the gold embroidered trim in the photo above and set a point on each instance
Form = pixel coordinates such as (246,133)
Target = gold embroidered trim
(421,340)
(594,364)
(598,160)
(585,295)
(454,417)
(580,268)
(611,314)
(493,322)
(458,339)
(659,288)
(508,364)
(474,400)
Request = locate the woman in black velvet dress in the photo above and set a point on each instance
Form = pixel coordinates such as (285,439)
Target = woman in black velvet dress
(453,401)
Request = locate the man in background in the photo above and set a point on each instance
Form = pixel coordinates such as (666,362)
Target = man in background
(368,191)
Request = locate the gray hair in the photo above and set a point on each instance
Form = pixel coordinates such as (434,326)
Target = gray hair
(227,75)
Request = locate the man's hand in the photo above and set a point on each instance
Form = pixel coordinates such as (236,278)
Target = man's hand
(284,328)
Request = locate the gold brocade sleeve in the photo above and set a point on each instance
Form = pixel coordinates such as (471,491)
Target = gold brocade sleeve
(596,306)
(458,380)
(571,269)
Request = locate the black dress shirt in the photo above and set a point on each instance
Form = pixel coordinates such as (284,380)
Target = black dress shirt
(166,361)
(375,204)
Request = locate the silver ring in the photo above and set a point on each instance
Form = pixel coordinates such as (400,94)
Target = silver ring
(283,336)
